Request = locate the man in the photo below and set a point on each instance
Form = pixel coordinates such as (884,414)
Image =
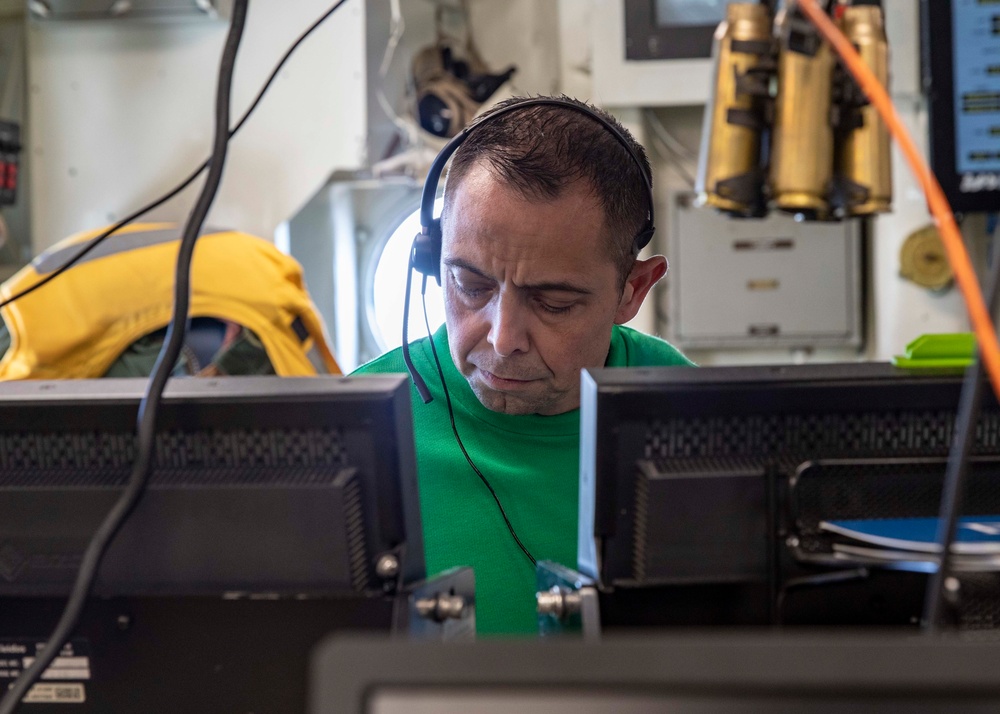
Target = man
(539,274)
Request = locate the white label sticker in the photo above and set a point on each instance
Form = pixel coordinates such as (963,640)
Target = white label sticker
(64,668)
(56,694)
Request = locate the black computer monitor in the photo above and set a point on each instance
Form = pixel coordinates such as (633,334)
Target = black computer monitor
(277,510)
(702,491)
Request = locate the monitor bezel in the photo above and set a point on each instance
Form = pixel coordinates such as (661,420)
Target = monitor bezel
(346,673)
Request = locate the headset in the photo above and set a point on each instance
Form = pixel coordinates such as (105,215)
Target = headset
(425,255)
(426,251)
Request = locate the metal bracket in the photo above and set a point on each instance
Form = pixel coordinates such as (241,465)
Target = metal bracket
(444,607)
(567,602)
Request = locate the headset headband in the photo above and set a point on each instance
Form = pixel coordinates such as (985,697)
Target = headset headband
(427,247)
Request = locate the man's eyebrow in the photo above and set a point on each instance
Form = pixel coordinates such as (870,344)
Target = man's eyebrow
(459,263)
(558,287)
(537,287)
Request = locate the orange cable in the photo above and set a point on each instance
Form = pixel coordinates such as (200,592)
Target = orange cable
(965,276)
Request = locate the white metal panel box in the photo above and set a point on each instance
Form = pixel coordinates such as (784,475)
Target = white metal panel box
(761,283)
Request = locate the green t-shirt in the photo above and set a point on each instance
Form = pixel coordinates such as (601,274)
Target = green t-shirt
(532,461)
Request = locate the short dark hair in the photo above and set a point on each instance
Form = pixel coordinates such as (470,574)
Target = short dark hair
(543,148)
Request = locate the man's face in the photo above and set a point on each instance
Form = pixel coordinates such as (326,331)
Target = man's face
(531,293)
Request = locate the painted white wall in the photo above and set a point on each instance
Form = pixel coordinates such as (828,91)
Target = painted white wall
(523,33)
(122,111)
(575,48)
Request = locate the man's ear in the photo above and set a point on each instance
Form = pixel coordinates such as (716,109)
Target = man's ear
(644,275)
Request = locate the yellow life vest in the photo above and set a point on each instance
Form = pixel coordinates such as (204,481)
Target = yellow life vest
(77,325)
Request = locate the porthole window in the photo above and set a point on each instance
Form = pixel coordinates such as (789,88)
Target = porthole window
(389,284)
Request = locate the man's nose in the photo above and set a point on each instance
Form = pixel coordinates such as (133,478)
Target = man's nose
(509,327)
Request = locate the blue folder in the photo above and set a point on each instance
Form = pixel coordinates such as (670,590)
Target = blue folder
(974,535)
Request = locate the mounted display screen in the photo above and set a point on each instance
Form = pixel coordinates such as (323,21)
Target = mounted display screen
(671,29)
(961,52)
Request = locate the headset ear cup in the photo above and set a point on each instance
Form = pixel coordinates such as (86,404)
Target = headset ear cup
(426,251)
(643,238)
